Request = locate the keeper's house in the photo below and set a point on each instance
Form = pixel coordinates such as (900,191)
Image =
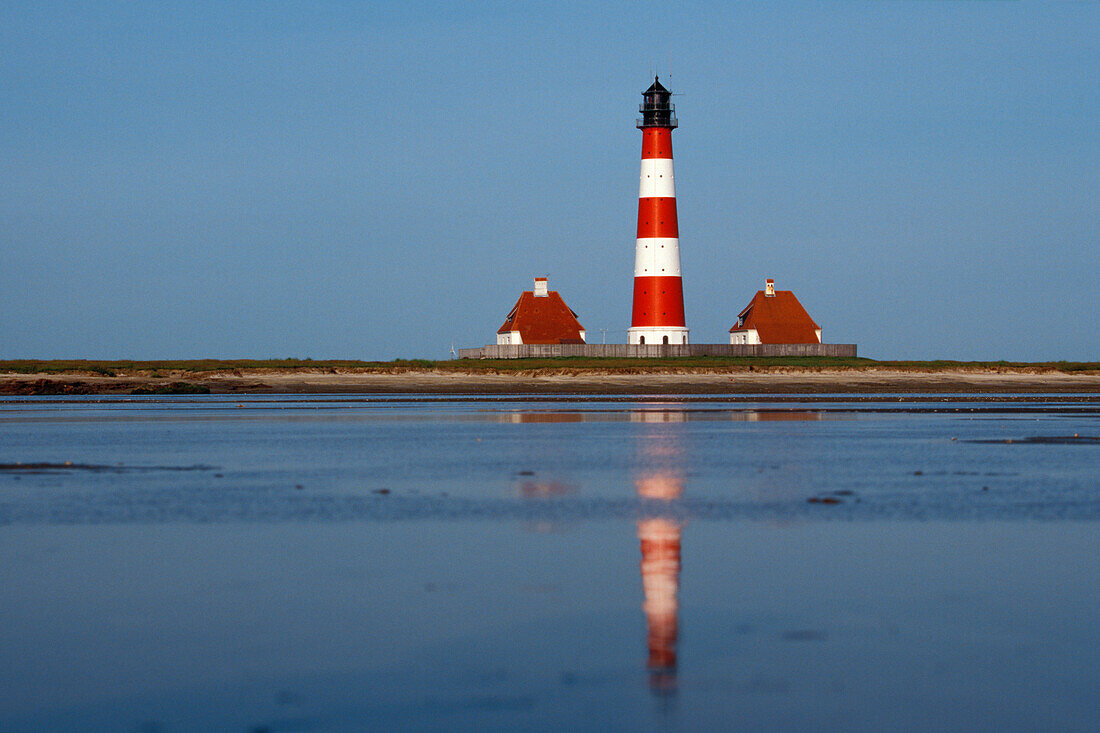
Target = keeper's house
(540,316)
(775,317)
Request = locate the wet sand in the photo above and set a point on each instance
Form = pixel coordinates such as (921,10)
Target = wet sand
(549,562)
(773,380)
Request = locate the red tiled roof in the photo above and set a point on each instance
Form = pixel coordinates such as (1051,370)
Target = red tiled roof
(779,319)
(543,320)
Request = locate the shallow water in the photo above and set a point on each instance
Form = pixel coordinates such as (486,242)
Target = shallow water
(338,563)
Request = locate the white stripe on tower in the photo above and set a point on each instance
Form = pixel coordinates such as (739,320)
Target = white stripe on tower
(657,179)
(657,257)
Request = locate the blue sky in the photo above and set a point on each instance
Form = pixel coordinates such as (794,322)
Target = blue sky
(353,180)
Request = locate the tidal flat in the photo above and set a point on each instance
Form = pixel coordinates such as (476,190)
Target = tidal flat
(245,562)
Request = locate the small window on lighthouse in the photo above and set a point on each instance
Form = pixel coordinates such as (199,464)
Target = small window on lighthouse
(641,339)
(665,340)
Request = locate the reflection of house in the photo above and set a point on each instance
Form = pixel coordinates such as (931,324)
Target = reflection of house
(774,317)
(776,415)
(541,417)
(540,316)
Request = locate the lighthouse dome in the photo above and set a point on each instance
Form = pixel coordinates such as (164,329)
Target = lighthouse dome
(656,109)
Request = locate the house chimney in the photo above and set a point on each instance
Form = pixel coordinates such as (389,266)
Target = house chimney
(769,288)
(540,287)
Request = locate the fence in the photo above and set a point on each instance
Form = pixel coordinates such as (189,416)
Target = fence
(621,351)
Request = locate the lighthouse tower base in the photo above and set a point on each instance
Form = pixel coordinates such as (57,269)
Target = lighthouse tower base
(657,335)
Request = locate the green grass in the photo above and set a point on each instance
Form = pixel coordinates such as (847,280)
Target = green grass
(199,366)
(812,362)
(113,368)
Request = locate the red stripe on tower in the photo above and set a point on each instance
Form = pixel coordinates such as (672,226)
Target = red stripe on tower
(658,313)
(657,217)
(657,141)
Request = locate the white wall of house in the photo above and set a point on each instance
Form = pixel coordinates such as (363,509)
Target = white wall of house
(745,336)
(508,338)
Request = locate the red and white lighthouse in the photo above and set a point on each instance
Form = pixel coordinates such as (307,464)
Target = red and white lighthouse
(658,315)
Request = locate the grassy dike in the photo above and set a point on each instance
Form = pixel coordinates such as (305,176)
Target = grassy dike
(569,375)
(157,368)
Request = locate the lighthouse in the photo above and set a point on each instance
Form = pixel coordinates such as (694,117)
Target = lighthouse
(658,313)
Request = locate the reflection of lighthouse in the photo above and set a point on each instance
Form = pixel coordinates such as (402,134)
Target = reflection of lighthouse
(659,535)
(660,541)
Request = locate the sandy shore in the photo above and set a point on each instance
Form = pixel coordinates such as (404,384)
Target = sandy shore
(777,380)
